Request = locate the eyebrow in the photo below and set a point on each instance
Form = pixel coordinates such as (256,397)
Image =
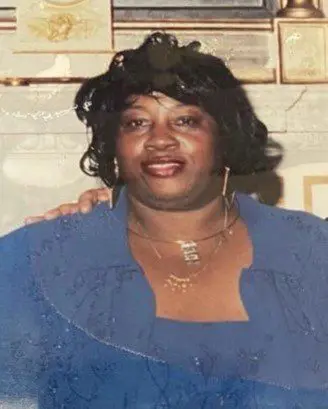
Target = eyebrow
(141,107)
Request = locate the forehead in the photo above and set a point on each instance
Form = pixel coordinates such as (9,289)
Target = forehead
(157,100)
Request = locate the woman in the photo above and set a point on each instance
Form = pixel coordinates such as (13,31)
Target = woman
(181,293)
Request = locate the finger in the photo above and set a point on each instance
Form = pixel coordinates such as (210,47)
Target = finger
(52,214)
(85,206)
(74,208)
(103,195)
(33,219)
(103,198)
(62,210)
(89,196)
(67,208)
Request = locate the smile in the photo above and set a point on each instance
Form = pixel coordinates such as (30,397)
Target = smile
(163,168)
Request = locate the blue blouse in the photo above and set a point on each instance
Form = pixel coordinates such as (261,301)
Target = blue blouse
(78,328)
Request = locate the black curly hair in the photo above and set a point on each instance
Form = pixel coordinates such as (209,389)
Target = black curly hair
(187,75)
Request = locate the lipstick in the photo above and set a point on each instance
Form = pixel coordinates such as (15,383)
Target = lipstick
(163,167)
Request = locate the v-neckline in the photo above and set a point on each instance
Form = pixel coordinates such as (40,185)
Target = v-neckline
(251,220)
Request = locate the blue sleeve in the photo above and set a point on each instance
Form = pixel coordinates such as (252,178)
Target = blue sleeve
(30,259)
(19,354)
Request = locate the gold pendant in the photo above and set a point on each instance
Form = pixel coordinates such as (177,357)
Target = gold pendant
(190,251)
(178,284)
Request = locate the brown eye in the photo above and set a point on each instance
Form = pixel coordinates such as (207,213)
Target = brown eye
(135,124)
(188,121)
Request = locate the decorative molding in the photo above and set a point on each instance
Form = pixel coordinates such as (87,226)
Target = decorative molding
(199,25)
(256,24)
(283,51)
(64,26)
(26,81)
(247,76)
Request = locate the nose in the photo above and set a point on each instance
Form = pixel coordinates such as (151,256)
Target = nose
(161,137)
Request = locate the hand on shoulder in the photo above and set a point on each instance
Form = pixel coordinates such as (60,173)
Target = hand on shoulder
(85,203)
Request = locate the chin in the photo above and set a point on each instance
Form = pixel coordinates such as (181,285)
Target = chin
(174,200)
(168,195)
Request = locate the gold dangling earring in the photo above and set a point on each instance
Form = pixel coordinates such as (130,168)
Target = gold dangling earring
(111,190)
(225,181)
(110,199)
(228,202)
(116,169)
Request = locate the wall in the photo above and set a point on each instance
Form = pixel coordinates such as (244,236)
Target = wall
(41,142)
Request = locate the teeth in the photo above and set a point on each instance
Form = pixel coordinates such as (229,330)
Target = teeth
(163,165)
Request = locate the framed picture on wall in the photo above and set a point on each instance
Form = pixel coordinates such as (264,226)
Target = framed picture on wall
(179,9)
(199,9)
(64,26)
(315,194)
(175,10)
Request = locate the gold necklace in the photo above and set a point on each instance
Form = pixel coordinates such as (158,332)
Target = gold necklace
(188,248)
(183,284)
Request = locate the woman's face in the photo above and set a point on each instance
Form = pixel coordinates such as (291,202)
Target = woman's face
(166,152)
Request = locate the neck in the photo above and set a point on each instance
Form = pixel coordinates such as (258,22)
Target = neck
(180,225)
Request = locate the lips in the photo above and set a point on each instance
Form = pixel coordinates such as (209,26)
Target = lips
(163,167)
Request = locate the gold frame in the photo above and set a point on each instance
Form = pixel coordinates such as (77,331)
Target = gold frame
(282,74)
(199,25)
(68,29)
(308,182)
(26,81)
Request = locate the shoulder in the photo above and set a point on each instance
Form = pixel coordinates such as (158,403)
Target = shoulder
(288,224)
(286,240)
(300,268)
(70,240)
(291,256)
(77,226)
(65,259)
(298,225)
(305,238)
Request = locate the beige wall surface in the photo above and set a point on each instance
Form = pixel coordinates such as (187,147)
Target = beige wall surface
(41,140)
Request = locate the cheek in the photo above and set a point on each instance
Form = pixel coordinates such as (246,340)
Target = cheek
(127,149)
(215,149)
(204,151)
(128,155)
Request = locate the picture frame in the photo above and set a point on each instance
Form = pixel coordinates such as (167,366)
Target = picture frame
(315,187)
(64,26)
(132,10)
(302,50)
